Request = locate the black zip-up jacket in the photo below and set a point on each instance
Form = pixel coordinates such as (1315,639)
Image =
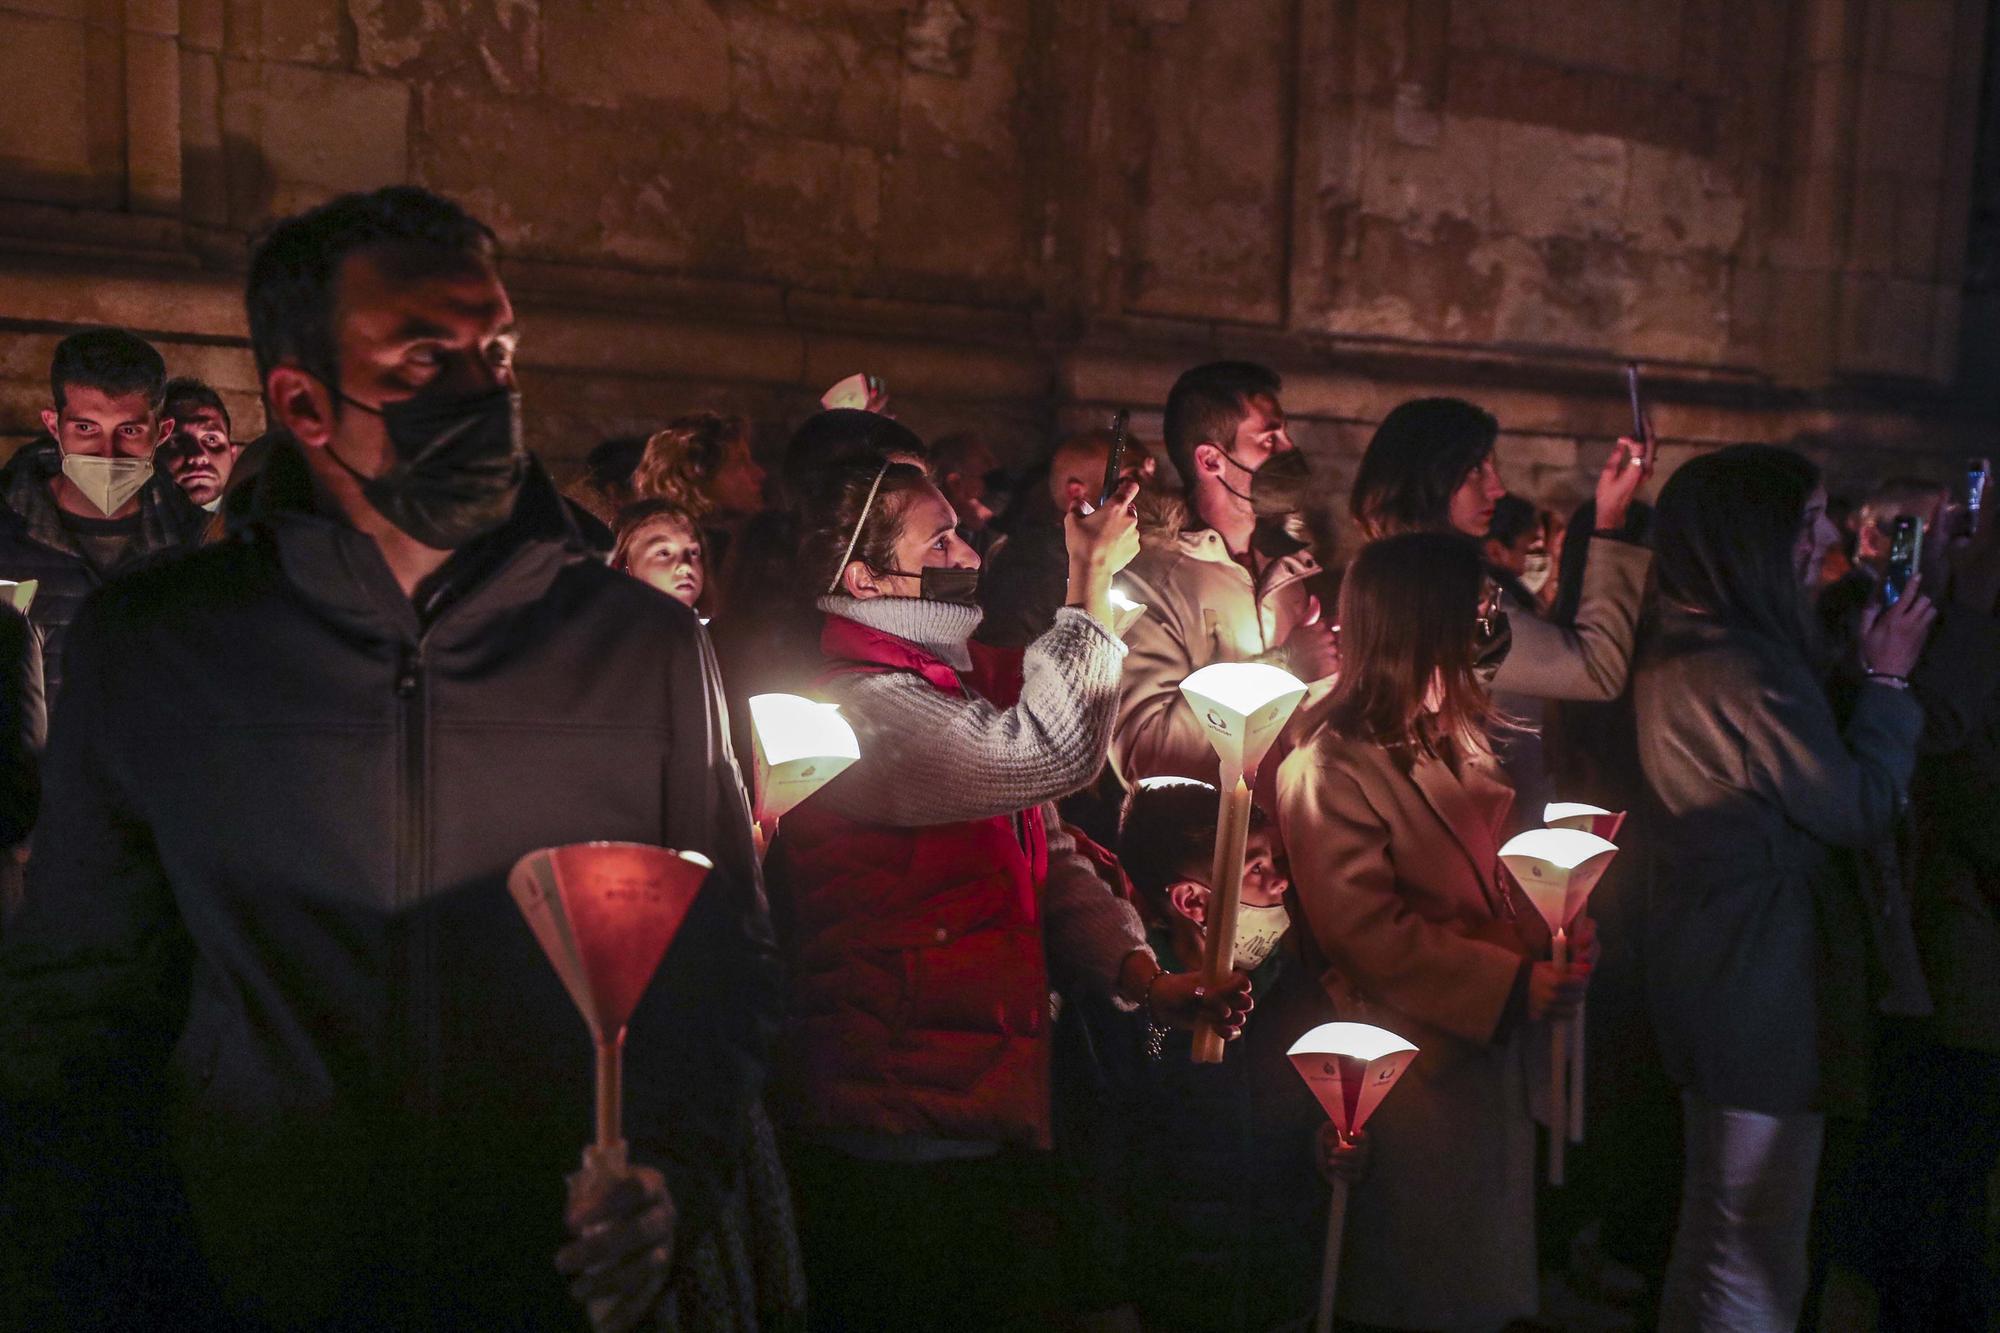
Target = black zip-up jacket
(268,930)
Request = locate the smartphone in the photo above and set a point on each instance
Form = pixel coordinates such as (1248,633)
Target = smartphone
(1114,466)
(1906,545)
(1975,488)
(1639,431)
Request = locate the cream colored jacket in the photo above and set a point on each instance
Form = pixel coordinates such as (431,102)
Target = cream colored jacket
(1201,607)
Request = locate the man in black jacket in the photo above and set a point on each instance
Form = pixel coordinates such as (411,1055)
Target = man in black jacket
(399,676)
(83,503)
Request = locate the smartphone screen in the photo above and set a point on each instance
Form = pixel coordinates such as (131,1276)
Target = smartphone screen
(1114,466)
(1975,484)
(1906,545)
(1632,392)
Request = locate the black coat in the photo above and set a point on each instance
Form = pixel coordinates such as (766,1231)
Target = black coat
(1751,784)
(35,545)
(267,922)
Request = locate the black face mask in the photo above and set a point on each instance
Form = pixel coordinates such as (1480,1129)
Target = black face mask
(1490,645)
(939,584)
(1278,488)
(459,465)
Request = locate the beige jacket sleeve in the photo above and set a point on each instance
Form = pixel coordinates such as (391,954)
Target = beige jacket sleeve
(1155,732)
(1362,919)
(1591,661)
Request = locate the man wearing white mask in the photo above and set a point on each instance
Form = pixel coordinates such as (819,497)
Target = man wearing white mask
(83,503)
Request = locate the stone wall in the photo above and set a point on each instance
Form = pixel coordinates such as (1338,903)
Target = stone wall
(1024,212)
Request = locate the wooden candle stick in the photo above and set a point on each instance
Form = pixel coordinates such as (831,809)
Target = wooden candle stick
(1242,706)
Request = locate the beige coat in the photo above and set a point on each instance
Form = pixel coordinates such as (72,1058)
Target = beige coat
(1397,879)
(1201,607)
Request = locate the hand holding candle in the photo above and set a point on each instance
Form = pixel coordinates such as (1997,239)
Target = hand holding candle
(1557,868)
(801,745)
(1350,1067)
(605,913)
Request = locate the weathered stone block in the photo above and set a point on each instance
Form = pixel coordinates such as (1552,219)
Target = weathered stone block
(152,123)
(1615,36)
(1885,325)
(1676,202)
(465,42)
(201,24)
(1920,37)
(306,158)
(603,52)
(1916,254)
(959,219)
(1550,183)
(1872,235)
(823,78)
(159,18)
(978,112)
(299,32)
(1443,284)
(1415,187)
(1902,125)
(43,155)
(810,209)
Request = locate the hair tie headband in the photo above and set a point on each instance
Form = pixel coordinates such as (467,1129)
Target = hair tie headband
(859,523)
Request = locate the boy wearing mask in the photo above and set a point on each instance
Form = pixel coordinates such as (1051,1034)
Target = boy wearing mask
(1227,1209)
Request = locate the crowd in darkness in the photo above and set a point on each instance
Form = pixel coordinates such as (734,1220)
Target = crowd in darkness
(277,717)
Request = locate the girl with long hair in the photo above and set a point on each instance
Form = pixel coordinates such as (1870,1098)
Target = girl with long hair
(1393,809)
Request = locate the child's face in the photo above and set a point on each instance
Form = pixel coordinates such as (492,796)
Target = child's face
(667,554)
(1264,884)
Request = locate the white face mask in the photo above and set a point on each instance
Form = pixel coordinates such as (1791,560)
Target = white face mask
(1258,930)
(108,483)
(1536,571)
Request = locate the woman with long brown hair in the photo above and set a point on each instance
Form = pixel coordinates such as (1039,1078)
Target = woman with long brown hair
(1392,809)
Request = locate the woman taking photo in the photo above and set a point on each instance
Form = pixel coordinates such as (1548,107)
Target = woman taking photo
(1752,785)
(931,901)
(1431,467)
(1392,808)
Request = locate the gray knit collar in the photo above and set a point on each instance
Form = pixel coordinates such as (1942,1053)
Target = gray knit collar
(939,628)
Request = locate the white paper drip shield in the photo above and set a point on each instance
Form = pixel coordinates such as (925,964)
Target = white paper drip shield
(604,913)
(1350,1067)
(1587,818)
(1243,706)
(1557,868)
(801,746)
(1124,611)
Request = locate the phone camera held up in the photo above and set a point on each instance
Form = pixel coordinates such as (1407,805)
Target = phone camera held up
(1906,544)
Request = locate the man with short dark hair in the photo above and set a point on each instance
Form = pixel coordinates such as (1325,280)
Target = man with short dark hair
(331,1016)
(1220,575)
(201,452)
(82,503)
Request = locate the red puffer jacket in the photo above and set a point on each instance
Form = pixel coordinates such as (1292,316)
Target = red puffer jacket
(920,994)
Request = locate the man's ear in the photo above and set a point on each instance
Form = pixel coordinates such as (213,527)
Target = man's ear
(50,423)
(1208,458)
(166,429)
(1190,900)
(858,581)
(1496,552)
(300,405)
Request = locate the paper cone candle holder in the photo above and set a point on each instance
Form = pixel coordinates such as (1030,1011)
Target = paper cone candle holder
(1557,868)
(604,913)
(1350,1067)
(802,745)
(1585,818)
(1124,611)
(1243,706)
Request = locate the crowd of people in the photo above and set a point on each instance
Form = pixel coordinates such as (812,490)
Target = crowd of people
(278,1051)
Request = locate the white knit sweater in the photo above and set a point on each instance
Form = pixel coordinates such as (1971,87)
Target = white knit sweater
(928,757)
